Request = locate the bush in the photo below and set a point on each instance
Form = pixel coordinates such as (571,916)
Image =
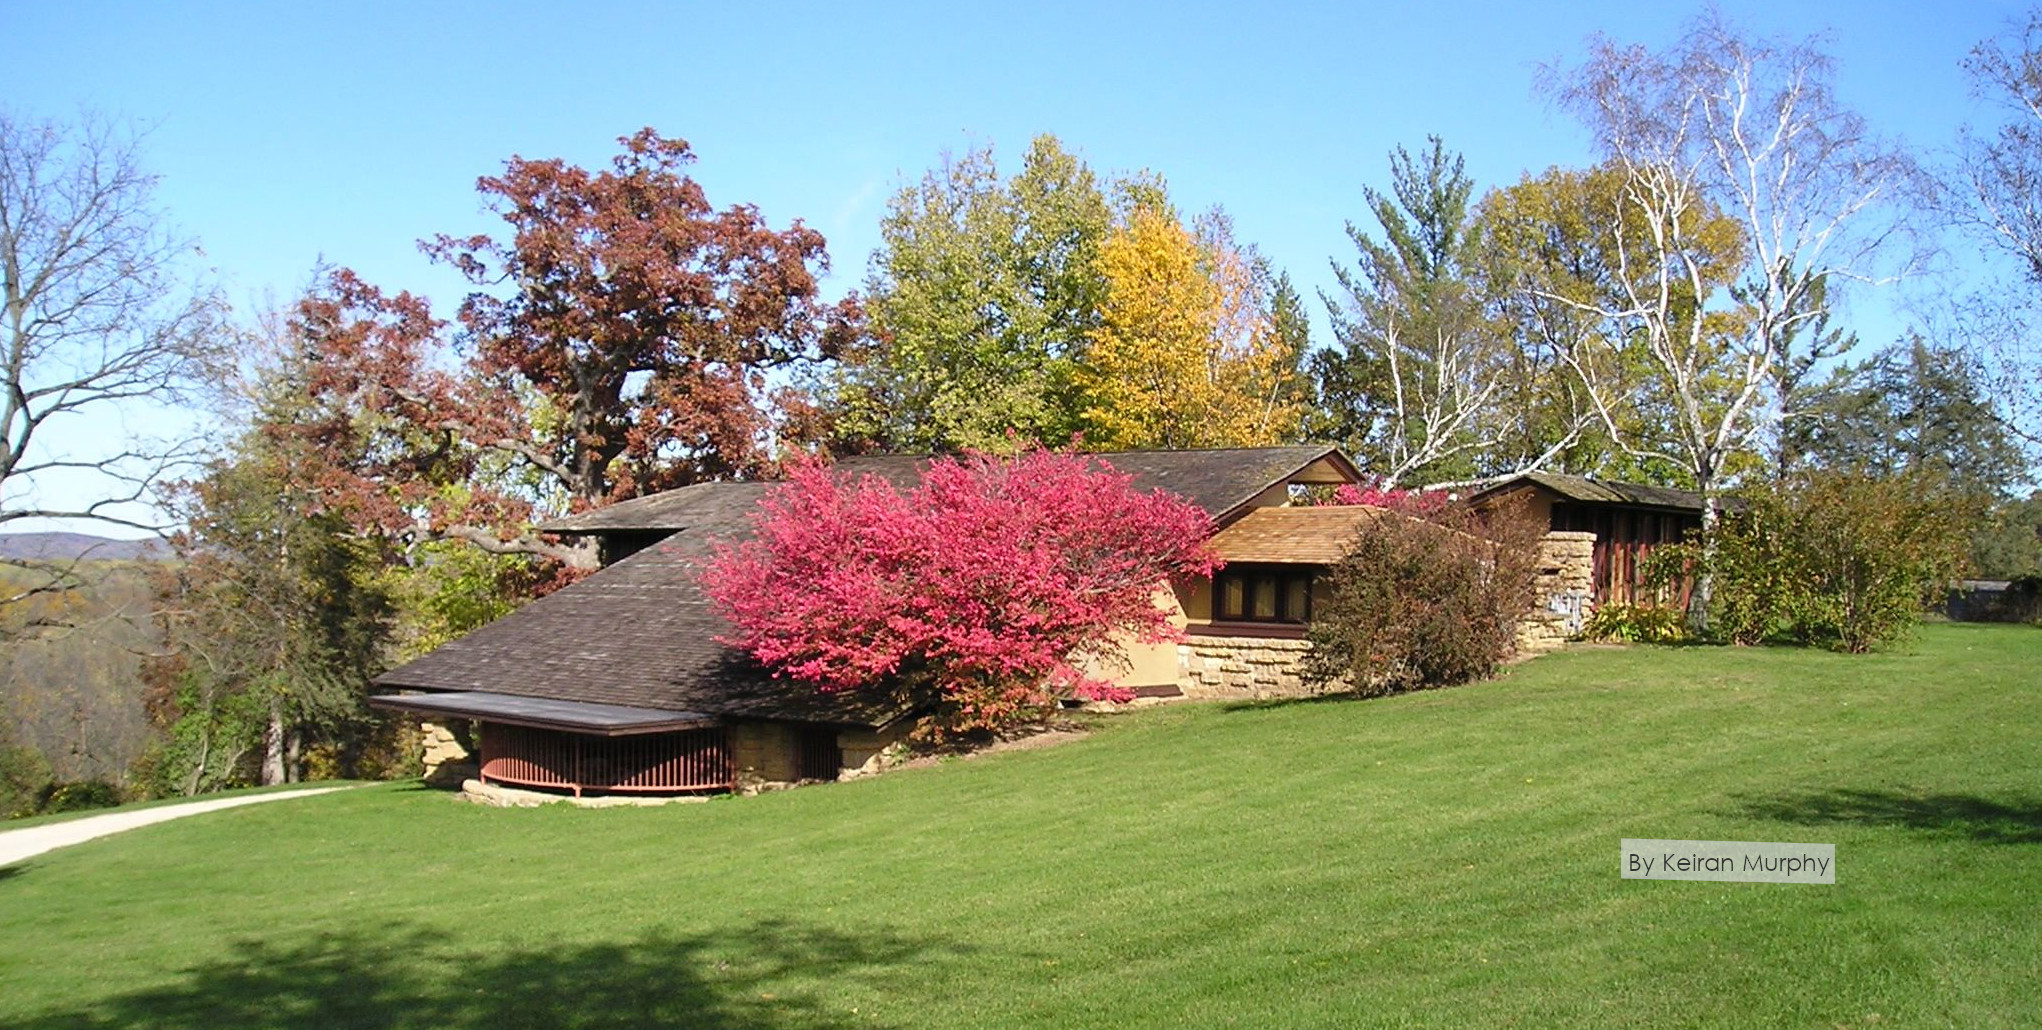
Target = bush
(24,776)
(1426,601)
(78,796)
(975,590)
(1636,624)
(1834,559)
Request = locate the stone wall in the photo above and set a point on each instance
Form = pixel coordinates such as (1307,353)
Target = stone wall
(450,752)
(1242,667)
(867,752)
(762,755)
(1565,589)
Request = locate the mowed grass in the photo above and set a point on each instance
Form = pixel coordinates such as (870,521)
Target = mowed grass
(1446,859)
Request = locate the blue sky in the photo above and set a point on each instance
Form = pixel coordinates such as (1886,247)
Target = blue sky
(288,133)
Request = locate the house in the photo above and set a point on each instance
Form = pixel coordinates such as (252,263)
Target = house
(1629,520)
(619,684)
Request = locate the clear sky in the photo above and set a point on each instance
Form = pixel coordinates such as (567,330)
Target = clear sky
(286,133)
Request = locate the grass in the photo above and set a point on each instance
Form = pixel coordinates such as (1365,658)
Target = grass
(1443,859)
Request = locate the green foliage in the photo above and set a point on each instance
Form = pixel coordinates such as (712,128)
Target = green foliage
(24,773)
(1636,624)
(77,796)
(212,740)
(1410,313)
(2009,543)
(982,295)
(1835,559)
(1425,602)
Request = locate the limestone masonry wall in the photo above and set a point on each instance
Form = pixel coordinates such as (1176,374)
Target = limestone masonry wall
(450,753)
(1565,587)
(1242,667)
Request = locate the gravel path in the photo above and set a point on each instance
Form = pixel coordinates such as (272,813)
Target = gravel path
(28,842)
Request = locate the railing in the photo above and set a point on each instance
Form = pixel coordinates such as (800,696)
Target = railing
(649,763)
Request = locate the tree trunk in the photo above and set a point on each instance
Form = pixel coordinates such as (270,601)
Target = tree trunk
(294,756)
(1705,577)
(273,745)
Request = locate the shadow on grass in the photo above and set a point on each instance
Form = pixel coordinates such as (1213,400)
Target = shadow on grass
(771,977)
(8,872)
(2014,821)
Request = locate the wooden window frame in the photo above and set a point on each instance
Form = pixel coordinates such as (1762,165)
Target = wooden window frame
(1284,575)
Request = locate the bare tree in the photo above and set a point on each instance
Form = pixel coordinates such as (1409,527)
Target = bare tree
(97,322)
(1993,192)
(1748,187)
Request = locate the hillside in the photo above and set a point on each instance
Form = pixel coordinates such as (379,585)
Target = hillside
(54,546)
(1445,859)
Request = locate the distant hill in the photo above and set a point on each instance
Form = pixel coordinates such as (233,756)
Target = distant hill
(70,546)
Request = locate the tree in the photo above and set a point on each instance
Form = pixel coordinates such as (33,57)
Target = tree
(1993,191)
(627,352)
(982,587)
(1912,408)
(98,321)
(1413,378)
(275,615)
(1186,353)
(1549,261)
(983,295)
(1753,185)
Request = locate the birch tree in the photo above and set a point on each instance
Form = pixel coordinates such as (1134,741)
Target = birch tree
(1725,129)
(1993,193)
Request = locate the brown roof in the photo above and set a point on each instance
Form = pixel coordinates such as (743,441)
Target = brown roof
(639,633)
(1218,481)
(1303,535)
(1598,491)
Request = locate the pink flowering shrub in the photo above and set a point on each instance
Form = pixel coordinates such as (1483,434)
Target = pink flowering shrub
(1410,502)
(980,584)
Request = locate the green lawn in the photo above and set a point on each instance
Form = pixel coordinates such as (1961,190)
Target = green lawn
(1444,859)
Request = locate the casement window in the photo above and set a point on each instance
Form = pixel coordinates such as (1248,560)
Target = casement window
(1262,595)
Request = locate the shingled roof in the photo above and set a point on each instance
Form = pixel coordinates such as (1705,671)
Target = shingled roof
(1218,481)
(1318,535)
(639,633)
(1599,491)
(642,634)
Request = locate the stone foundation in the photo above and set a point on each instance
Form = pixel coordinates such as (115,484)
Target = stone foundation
(871,752)
(499,796)
(1565,587)
(1244,668)
(451,756)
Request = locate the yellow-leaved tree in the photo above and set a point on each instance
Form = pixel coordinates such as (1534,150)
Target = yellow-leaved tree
(1186,353)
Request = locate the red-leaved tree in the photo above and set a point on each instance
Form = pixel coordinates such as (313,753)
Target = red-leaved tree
(984,586)
(1409,502)
(619,342)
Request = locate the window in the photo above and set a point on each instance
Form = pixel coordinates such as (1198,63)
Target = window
(1262,595)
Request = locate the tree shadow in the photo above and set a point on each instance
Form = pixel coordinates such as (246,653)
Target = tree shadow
(2012,821)
(769,977)
(12,869)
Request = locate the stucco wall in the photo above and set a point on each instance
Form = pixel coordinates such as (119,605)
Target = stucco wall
(1144,665)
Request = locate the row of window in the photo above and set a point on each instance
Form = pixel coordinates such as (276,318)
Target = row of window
(1262,595)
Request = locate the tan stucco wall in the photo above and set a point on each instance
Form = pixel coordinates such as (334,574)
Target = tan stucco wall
(1144,665)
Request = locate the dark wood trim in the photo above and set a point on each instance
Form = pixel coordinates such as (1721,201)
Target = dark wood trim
(1264,630)
(1162,690)
(398,704)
